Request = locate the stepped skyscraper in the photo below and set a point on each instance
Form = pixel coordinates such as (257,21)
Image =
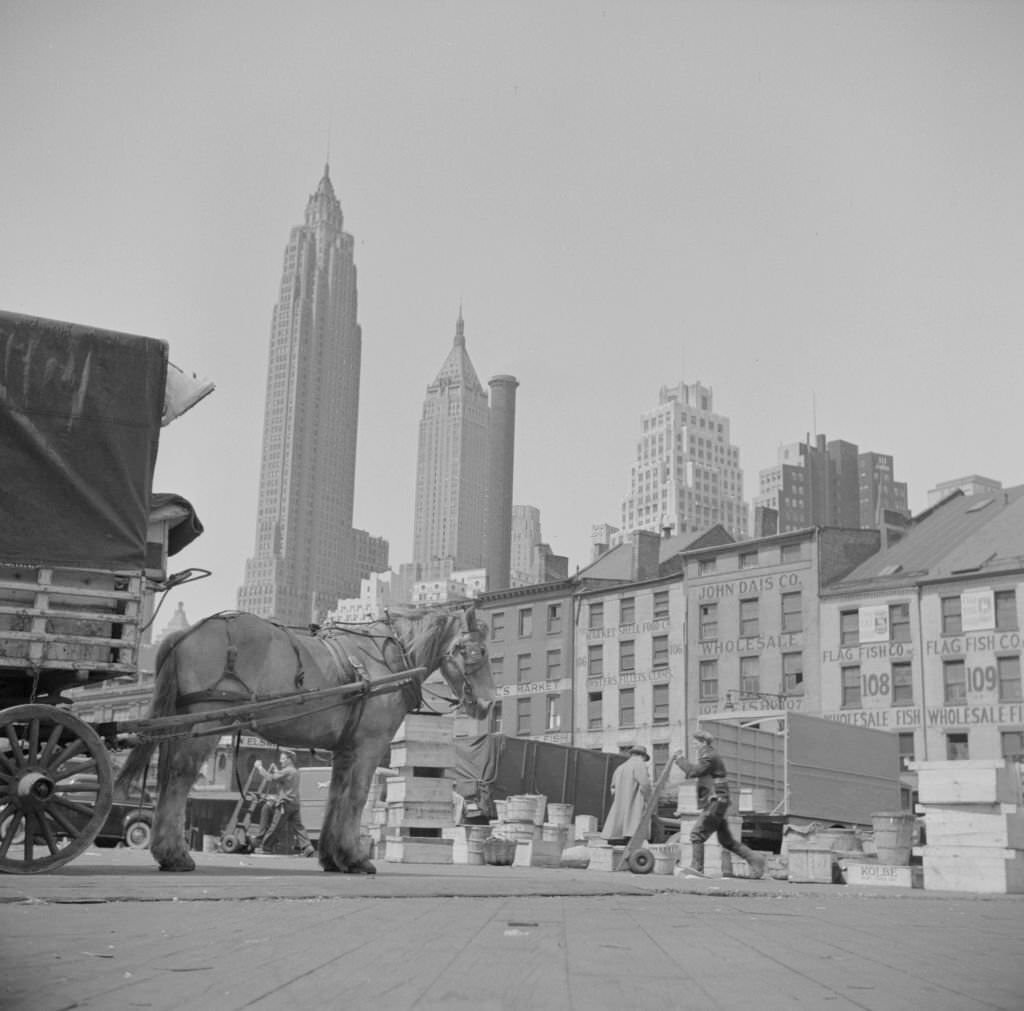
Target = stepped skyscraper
(306,554)
(687,475)
(463,512)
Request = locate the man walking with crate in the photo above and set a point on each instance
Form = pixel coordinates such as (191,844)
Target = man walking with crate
(713,798)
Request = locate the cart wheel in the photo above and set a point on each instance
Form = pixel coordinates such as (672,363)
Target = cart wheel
(230,844)
(641,861)
(55,791)
(138,834)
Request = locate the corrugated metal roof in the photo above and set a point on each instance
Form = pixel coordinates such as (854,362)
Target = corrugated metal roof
(961,535)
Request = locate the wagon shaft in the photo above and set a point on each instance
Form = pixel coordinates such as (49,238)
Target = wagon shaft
(239,715)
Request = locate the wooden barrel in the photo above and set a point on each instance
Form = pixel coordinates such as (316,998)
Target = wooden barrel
(521,807)
(476,835)
(894,836)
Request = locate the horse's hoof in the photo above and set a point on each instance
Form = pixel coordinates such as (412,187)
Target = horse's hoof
(361,867)
(179,866)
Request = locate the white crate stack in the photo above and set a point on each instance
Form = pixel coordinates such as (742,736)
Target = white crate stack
(974,826)
(419,799)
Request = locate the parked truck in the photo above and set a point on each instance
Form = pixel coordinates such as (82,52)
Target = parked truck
(798,769)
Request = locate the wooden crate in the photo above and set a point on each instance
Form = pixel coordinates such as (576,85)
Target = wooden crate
(423,754)
(976,781)
(686,798)
(538,853)
(415,850)
(419,788)
(994,871)
(421,814)
(875,874)
(999,825)
(605,858)
(426,729)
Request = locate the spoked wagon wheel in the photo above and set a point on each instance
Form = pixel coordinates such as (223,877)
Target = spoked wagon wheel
(55,788)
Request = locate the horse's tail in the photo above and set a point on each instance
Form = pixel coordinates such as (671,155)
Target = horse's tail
(164,703)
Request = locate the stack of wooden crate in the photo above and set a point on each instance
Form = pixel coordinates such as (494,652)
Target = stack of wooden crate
(974,826)
(420,802)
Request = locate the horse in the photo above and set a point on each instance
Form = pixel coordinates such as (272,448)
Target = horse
(236,658)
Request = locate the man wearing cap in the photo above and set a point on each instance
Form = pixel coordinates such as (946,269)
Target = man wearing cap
(286,778)
(713,798)
(630,786)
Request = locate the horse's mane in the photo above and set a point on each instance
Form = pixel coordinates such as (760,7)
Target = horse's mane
(425,634)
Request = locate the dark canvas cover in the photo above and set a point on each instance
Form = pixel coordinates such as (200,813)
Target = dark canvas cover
(80,412)
(492,767)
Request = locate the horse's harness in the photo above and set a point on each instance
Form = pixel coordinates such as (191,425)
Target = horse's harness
(332,637)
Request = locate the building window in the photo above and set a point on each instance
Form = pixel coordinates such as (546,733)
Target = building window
(660,706)
(595,660)
(954,682)
(906,749)
(1012,742)
(708,681)
(627,611)
(709,621)
(523,716)
(553,717)
(660,604)
(627,707)
(554,618)
(496,718)
(627,656)
(748,559)
(497,668)
(792,612)
(524,667)
(791,553)
(525,622)
(899,622)
(957,749)
(1006,609)
(498,625)
(750,676)
(793,673)
(749,611)
(902,685)
(659,651)
(659,758)
(849,628)
(851,687)
(554,664)
(1009,678)
(705,567)
(952,620)
(596,615)
(594,716)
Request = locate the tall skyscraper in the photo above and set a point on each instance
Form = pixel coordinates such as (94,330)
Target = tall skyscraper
(829,484)
(304,553)
(687,475)
(463,510)
(526,537)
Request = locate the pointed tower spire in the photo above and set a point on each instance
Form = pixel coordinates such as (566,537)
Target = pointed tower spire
(460,330)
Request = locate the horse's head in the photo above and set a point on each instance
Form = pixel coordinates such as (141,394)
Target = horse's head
(466,667)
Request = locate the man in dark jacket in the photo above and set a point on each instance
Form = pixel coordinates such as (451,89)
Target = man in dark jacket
(713,798)
(286,777)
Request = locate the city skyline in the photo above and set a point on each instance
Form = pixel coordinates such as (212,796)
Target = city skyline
(812,210)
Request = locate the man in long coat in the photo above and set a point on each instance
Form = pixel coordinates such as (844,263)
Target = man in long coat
(631,787)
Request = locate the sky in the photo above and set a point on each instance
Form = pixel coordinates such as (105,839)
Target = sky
(814,208)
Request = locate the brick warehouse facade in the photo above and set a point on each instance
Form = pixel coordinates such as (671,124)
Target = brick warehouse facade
(922,639)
